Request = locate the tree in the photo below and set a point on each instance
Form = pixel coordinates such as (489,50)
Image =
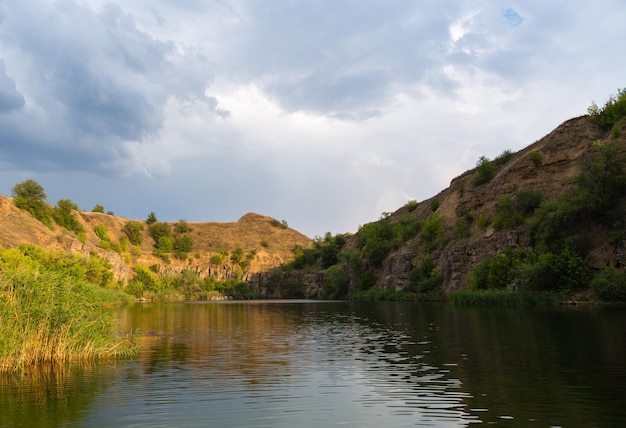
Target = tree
(30,196)
(64,216)
(151,218)
(98,209)
(29,190)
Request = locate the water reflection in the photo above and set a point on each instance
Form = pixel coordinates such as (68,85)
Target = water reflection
(333,363)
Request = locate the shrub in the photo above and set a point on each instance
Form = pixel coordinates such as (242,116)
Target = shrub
(609,285)
(102,232)
(182,246)
(158,230)
(614,109)
(181,226)
(411,205)
(134,232)
(461,228)
(335,283)
(63,215)
(98,209)
(236,255)
(482,222)
(30,196)
(536,158)
(165,244)
(503,157)
(265,244)
(484,171)
(506,215)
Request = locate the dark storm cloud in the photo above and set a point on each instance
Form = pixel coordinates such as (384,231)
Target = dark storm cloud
(89,78)
(10,98)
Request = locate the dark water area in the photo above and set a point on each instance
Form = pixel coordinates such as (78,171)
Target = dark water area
(280,364)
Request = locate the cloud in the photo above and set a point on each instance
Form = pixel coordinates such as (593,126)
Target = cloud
(10,98)
(92,80)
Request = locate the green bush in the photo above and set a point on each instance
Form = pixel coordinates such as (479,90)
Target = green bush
(98,209)
(102,232)
(134,232)
(411,205)
(63,215)
(335,283)
(614,109)
(158,230)
(484,171)
(30,196)
(536,157)
(182,226)
(609,285)
(182,246)
(503,157)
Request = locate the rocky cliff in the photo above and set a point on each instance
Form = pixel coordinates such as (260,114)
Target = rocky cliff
(466,212)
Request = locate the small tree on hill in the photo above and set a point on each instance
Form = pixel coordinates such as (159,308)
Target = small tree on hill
(30,196)
(151,218)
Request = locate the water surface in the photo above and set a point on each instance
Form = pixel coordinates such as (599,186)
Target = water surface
(305,364)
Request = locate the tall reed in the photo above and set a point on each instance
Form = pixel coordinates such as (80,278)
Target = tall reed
(49,317)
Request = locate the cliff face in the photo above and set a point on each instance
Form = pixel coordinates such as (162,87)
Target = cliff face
(548,166)
(266,244)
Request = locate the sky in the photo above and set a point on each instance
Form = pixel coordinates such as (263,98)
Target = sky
(321,113)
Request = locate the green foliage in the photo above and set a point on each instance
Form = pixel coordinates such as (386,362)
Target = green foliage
(482,222)
(335,283)
(98,209)
(50,313)
(503,157)
(484,172)
(30,196)
(280,224)
(182,246)
(102,232)
(134,232)
(236,255)
(536,157)
(367,280)
(609,285)
(461,228)
(432,231)
(218,259)
(182,226)
(165,244)
(564,271)
(614,109)
(434,205)
(506,215)
(64,216)
(29,190)
(159,230)
(602,181)
(411,205)
(265,244)
(151,219)
(426,277)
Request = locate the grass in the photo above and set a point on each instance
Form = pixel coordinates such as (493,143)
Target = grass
(49,317)
(504,298)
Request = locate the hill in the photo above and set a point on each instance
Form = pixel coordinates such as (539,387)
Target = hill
(549,217)
(262,242)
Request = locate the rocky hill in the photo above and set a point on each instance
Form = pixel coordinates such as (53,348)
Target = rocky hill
(518,201)
(263,242)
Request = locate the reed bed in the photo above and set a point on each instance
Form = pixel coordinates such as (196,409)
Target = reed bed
(47,317)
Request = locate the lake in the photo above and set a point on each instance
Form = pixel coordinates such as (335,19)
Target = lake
(310,364)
